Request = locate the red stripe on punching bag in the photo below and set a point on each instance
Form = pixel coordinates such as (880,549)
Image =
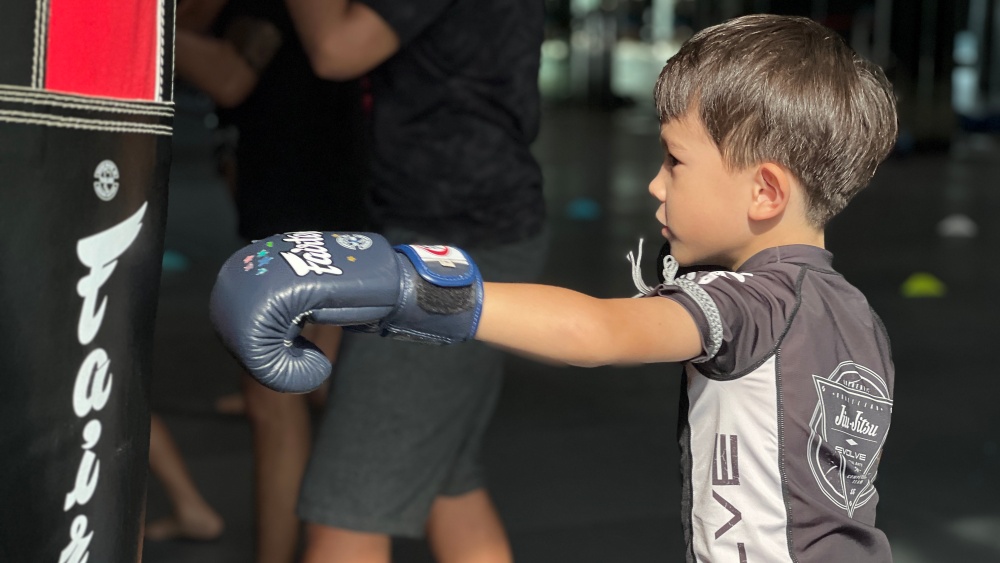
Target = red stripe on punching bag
(108,48)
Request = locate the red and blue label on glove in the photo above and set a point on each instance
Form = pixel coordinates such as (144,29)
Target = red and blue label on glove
(444,266)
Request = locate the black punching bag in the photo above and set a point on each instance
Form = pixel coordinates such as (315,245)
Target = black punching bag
(86,115)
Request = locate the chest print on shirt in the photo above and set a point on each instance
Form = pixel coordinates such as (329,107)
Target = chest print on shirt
(709,277)
(848,428)
(712,276)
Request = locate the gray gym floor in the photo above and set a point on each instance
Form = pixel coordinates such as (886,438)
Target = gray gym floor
(583,463)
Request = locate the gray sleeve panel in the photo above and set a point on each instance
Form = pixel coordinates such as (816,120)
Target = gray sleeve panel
(712,331)
(753,308)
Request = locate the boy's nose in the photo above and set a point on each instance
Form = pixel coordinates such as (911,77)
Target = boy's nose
(656,187)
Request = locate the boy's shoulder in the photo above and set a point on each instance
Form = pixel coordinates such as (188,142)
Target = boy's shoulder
(775,271)
(743,314)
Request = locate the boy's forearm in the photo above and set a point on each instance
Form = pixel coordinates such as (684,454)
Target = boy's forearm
(541,321)
(565,326)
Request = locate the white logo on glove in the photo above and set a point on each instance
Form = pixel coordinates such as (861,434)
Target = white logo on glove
(354,242)
(314,257)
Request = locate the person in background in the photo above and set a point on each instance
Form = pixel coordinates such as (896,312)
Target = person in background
(295,160)
(456,108)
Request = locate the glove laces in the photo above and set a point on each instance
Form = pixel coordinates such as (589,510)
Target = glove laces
(687,286)
(670,267)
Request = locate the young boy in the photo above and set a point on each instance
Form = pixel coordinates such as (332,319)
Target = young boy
(770,125)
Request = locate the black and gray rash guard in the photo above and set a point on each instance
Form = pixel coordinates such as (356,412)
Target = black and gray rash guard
(785,412)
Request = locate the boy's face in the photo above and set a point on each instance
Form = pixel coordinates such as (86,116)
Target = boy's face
(704,205)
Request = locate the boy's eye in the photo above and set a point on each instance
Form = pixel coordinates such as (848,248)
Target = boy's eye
(671,161)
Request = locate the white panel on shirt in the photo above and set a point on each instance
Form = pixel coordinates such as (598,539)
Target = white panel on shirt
(738,510)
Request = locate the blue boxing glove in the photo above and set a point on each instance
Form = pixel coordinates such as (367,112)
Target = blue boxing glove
(265,293)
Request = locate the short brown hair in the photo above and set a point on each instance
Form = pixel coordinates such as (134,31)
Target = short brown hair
(788,90)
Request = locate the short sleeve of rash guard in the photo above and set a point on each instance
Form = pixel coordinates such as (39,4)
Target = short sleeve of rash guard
(408,18)
(741,316)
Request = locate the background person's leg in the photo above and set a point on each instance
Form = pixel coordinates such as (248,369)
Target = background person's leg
(280,426)
(467,529)
(463,525)
(404,426)
(192,518)
(336,545)
(281,441)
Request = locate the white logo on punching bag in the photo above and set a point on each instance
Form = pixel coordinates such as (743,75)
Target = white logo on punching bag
(92,389)
(106,180)
(100,253)
(309,254)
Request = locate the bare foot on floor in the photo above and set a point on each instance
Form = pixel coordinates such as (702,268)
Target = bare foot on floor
(204,525)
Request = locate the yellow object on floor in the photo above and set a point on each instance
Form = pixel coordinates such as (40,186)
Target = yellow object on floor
(922,284)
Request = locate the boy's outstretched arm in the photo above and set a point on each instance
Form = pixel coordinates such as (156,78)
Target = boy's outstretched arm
(266,291)
(565,326)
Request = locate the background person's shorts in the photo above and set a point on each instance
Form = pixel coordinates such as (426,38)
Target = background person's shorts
(404,421)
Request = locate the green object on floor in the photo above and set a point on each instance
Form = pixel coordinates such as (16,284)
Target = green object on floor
(922,284)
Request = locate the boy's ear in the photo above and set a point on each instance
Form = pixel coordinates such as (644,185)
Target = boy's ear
(772,186)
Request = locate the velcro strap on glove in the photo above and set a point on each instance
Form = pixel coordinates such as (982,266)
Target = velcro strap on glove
(448,290)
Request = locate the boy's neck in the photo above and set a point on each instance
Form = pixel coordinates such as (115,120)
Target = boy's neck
(779,237)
